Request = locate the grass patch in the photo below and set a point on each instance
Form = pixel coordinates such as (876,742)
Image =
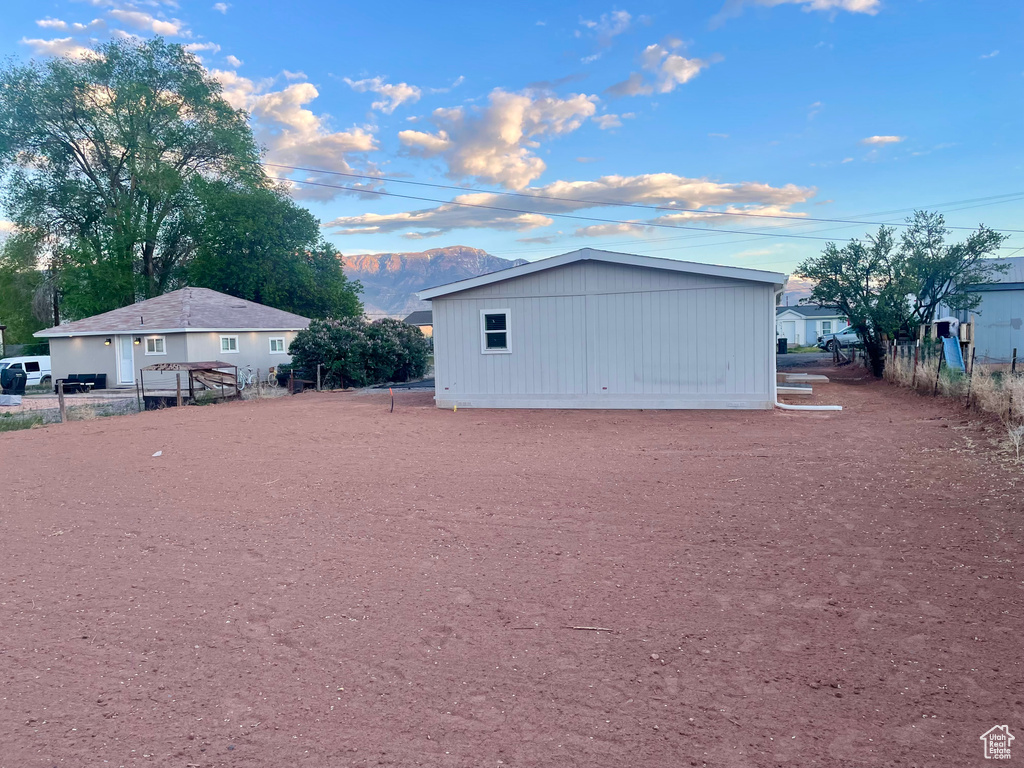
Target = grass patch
(12,422)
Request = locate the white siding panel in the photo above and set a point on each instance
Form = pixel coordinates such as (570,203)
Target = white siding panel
(594,334)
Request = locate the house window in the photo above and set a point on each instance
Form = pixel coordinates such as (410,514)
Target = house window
(826,327)
(156,345)
(494,331)
(228,344)
(277,345)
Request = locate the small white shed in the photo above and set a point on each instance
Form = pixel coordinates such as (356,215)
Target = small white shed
(596,329)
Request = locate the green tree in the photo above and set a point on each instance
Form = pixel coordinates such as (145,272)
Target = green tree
(884,286)
(23,288)
(257,244)
(104,155)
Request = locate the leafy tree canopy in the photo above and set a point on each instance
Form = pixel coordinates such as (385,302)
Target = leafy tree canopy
(101,158)
(885,285)
(257,244)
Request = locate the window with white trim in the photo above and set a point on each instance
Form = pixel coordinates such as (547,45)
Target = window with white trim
(277,345)
(228,344)
(826,327)
(156,345)
(495,331)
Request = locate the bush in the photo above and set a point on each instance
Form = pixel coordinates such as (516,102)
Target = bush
(356,353)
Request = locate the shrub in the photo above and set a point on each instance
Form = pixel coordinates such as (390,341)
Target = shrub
(356,353)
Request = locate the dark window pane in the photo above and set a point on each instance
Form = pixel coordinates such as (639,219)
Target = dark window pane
(32,367)
(497,340)
(495,322)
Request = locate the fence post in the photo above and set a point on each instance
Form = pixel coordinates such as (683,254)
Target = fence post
(60,402)
(1013,362)
(970,380)
(917,350)
(318,377)
(177,377)
(938,370)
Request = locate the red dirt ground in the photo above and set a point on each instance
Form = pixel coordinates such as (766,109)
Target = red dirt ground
(314,581)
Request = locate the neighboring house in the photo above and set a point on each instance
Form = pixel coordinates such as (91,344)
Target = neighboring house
(595,329)
(999,318)
(422,319)
(803,324)
(184,326)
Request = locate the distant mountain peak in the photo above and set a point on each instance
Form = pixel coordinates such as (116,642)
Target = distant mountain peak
(391,280)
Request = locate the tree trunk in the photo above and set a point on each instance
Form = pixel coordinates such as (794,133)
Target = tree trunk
(876,355)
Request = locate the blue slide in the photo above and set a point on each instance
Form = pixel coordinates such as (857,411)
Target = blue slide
(954,357)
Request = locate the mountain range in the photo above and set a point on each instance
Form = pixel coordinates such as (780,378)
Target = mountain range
(390,280)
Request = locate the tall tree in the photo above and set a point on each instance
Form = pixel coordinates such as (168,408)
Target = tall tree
(884,286)
(257,244)
(105,153)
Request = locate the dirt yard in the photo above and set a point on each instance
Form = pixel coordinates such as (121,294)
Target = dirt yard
(314,581)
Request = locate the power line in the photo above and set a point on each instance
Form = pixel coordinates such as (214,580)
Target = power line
(592,219)
(609,203)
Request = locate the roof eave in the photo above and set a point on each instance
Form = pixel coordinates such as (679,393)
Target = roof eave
(58,332)
(777,279)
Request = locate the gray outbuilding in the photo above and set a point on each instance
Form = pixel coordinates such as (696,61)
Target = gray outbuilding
(596,329)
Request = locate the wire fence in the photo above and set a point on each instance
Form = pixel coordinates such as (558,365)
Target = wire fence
(992,384)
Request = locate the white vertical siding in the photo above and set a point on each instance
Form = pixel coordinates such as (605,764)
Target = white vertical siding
(594,334)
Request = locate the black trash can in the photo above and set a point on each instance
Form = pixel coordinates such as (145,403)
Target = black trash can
(783,346)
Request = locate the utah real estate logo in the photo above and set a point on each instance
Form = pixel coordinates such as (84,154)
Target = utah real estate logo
(997,742)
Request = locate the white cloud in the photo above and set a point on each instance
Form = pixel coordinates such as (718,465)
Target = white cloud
(495,143)
(990,55)
(659,189)
(605,122)
(392,95)
(847,160)
(294,135)
(734,8)
(74,27)
(198,47)
(814,109)
(6,227)
(149,23)
(881,141)
(61,46)
(719,135)
(233,60)
(610,25)
(294,75)
(221,7)
(668,70)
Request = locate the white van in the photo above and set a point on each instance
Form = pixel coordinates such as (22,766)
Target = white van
(36,366)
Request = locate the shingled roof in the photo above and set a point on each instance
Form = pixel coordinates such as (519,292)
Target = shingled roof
(187,309)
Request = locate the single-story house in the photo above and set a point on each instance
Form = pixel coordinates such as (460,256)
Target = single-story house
(183,326)
(596,329)
(803,324)
(999,318)
(422,319)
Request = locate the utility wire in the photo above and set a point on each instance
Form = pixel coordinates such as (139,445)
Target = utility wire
(610,203)
(592,219)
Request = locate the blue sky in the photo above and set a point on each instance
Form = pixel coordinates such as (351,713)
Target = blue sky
(821,108)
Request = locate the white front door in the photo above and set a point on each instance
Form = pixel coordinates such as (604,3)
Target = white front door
(789,331)
(125,360)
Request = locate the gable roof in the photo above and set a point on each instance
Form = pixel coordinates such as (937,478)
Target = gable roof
(1011,279)
(591,254)
(807,310)
(420,317)
(187,309)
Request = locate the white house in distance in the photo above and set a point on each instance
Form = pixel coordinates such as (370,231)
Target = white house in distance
(999,318)
(595,329)
(183,326)
(803,324)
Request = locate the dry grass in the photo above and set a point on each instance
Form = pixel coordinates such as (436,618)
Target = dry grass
(989,388)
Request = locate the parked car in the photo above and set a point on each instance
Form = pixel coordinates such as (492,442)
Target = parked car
(847,337)
(37,367)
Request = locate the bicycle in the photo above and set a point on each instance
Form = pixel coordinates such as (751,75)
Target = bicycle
(246,377)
